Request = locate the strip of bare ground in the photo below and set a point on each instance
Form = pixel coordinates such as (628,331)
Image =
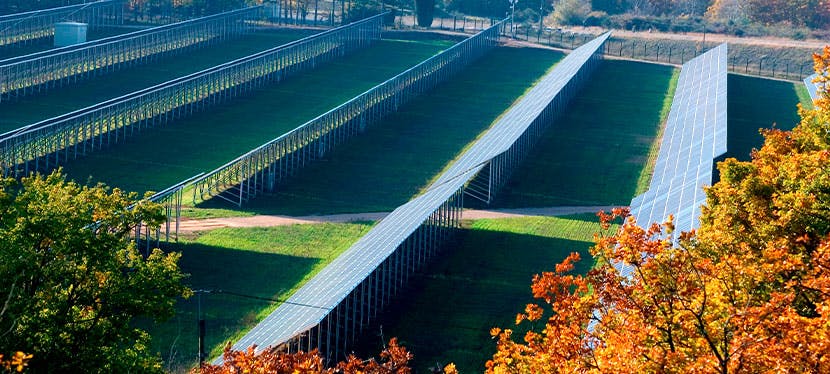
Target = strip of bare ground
(194,225)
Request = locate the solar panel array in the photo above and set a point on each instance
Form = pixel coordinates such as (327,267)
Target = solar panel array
(694,136)
(49,143)
(264,167)
(313,302)
(812,87)
(29,27)
(41,71)
(517,120)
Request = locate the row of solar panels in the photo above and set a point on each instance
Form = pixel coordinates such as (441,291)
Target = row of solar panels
(308,306)
(695,134)
(812,87)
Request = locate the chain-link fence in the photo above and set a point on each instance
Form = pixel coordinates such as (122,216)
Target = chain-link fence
(791,63)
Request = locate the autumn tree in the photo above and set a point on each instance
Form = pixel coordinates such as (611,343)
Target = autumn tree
(749,291)
(72,281)
(15,363)
(728,10)
(811,13)
(571,12)
(394,359)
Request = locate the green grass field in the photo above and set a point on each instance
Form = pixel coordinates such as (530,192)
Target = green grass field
(756,103)
(268,263)
(166,155)
(32,109)
(597,152)
(480,282)
(395,158)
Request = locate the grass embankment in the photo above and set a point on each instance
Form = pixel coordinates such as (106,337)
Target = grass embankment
(264,263)
(384,167)
(479,283)
(160,157)
(62,100)
(598,152)
(47,44)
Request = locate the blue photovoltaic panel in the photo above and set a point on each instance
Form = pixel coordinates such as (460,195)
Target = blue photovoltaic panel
(694,136)
(812,87)
(308,306)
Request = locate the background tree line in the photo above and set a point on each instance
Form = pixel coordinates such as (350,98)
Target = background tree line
(791,18)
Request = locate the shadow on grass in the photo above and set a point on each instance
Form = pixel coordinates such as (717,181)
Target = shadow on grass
(756,103)
(481,281)
(263,275)
(596,151)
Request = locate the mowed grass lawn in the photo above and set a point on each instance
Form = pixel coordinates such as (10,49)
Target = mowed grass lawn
(756,103)
(598,151)
(480,282)
(165,155)
(32,109)
(266,263)
(395,158)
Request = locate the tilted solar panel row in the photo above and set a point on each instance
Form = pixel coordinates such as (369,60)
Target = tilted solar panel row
(320,312)
(694,136)
(812,87)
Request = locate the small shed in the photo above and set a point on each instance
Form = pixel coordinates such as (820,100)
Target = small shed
(70,33)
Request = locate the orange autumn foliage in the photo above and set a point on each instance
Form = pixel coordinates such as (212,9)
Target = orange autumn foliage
(747,292)
(394,359)
(16,363)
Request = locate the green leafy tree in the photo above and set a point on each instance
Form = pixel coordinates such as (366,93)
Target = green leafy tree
(72,280)
(426,11)
(609,6)
(571,12)
(486,8)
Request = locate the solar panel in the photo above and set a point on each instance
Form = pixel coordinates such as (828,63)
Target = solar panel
(308,306)
(812,87)
(694,136)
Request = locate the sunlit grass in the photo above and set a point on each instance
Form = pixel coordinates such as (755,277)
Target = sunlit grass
(163,156)
(261,263)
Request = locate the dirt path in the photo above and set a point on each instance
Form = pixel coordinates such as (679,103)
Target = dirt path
(189,226)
